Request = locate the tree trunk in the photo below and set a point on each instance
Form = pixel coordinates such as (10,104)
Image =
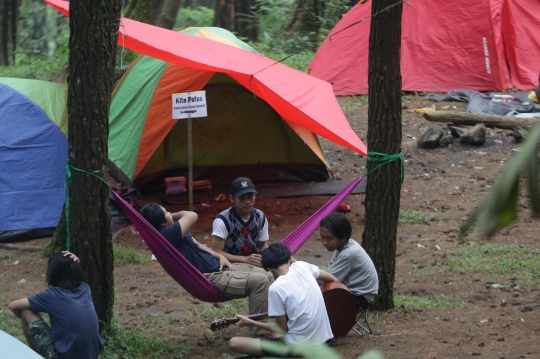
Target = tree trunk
(222,10)
(472,119)
(247,24)
(92,43)
(142,10)
(9,14)
(384,136)
(167,13)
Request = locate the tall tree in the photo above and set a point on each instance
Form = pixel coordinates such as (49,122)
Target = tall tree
(384,136)
(238,16)
(167,13)
(142,10)
(9,14)
(92,44)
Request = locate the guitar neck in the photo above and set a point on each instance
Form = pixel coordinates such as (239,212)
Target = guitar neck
(224,323)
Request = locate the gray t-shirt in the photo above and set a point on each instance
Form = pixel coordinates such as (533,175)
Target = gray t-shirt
(354,268)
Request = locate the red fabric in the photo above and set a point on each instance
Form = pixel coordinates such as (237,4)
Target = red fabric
(299,98)
(443,47)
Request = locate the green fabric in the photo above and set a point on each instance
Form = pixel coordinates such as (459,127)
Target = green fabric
(222,32)
(234,116)
(385,159)
(50,96)
(129,107)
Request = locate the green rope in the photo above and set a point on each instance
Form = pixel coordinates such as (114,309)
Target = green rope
(69,181)
(385,159)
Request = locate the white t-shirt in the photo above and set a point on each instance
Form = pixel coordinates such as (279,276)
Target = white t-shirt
(298,295)
(219,230)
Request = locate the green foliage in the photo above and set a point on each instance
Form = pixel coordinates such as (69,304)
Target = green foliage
(187,17)
(413,216)
(42,51)
(210,311)
(502,260)
(11,324)
(410,302)
(124,255)
(299,61)
(499,209)
(127,344)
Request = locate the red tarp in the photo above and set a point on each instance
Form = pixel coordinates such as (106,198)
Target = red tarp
(300,99)
(445,45)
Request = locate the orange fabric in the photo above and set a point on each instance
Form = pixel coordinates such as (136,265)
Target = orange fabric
(175,79)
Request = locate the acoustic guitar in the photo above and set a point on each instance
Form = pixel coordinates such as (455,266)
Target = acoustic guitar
(340,306)
(225,322)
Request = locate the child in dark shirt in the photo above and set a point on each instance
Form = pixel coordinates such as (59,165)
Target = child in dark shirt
(74,329)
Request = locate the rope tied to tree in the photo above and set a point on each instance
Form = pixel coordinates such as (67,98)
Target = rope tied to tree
(69,181)
(386,159)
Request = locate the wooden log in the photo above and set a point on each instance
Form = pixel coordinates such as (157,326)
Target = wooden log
(20,248)
(471,119)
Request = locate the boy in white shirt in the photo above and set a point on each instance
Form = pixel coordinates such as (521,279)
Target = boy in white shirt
(295,301)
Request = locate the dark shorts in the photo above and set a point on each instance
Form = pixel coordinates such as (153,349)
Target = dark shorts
(40,334)
(285,351)
(361,303)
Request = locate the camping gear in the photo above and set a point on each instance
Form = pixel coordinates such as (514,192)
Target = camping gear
(257,107)
(189,277)
(13,348)
(33,156)
(481,45)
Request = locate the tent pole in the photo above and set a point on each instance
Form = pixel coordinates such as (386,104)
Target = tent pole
(190,163)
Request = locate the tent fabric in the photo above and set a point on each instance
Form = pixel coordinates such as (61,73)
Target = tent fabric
(33,155)
(473,45)
(298,98)
(145,143)
(189,277)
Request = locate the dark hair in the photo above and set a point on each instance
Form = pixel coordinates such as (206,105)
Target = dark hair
(275,255)
(338,224)
(153,213)
(64,272)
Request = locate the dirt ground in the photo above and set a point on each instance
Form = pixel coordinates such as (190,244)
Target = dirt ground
(444,183)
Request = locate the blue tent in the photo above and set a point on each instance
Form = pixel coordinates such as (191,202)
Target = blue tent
(33,155)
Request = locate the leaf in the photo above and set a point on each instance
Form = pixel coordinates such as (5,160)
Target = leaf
(534,190)
(500,207)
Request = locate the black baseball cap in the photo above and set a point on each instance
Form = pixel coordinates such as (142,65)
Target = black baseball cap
(241,186)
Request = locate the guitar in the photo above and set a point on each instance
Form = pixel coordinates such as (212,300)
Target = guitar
(340,306)
(225,322)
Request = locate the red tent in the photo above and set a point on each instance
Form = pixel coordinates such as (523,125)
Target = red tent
(474,45)
(302,100)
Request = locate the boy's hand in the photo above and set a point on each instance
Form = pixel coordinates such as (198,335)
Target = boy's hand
(72,256)
(243,321)
(254,259)
(224,262)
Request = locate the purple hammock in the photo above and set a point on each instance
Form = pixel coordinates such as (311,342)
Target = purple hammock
(189,277)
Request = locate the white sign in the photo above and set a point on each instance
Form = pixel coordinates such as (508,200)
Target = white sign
(189,104)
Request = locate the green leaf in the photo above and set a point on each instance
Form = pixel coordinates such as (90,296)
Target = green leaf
(534,190)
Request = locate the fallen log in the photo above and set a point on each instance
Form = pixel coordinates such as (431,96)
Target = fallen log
(20,248)
(471,119)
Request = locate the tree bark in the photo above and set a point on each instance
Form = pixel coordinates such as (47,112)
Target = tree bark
(9,14)
(472,119)
(222,14)
(142,10)
(167,13)
(92,43)
(384,136)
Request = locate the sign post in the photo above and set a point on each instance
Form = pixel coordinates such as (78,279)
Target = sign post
(189,105)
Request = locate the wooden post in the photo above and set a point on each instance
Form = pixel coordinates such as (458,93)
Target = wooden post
(190,163)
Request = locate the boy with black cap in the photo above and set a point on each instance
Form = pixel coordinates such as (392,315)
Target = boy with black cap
(240,233)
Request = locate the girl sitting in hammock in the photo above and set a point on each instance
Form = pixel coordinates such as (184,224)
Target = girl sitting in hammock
(240,281)
(350,264)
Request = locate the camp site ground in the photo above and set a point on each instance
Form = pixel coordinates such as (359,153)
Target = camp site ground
(454,298)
